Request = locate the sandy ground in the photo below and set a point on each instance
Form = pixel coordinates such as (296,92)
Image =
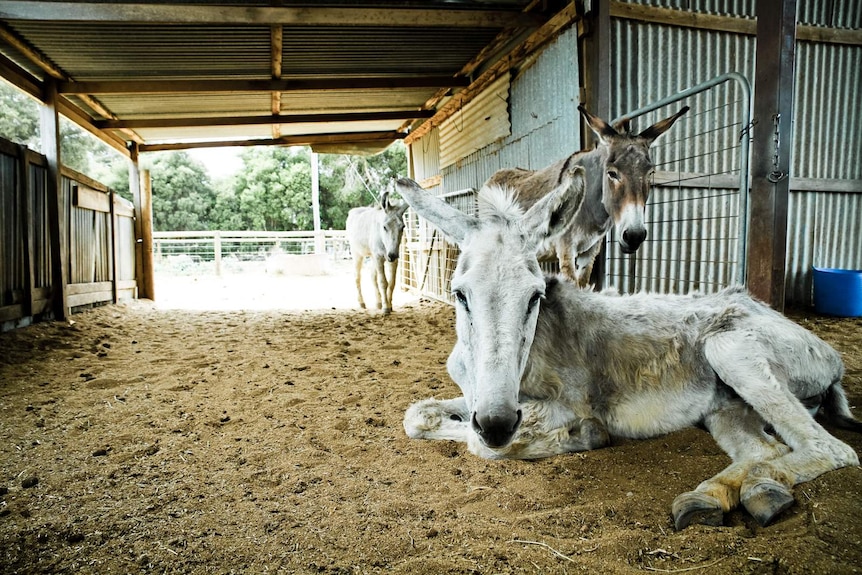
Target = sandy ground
(148,438)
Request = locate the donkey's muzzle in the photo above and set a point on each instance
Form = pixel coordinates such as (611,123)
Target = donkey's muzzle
(496,430)
(631,240)
(391,257)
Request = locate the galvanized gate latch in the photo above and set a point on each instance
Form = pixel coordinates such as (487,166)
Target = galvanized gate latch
(776,175)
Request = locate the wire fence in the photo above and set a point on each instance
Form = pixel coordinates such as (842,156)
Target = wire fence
(223,252)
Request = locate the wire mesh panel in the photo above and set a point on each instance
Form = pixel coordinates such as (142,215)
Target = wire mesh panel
(428,260)
(218,252)
(696,214)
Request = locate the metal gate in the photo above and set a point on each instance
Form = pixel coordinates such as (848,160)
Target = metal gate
(696,216)
(697,213)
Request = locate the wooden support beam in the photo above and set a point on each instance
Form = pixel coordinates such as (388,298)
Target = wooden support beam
(135,189)
(721,23)
(302,140)
(276,46)
(29,227)
(390,16)
(258,120)
(771,148)
(596,67)
(50,120)
(243,86)
(148,289)
(85,122)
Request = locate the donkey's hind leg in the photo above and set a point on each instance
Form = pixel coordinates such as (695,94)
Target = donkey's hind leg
(357,265)
(741,360)
(739,431)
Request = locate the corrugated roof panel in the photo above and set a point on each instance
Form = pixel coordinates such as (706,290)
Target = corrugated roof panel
(132,107)
(95,51)
(262,131)
(211,133)
(339,50)
(187,105)
(355,100)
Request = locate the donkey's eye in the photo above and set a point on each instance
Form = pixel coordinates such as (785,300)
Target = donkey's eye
(534,301)
(462,299)
(614,175)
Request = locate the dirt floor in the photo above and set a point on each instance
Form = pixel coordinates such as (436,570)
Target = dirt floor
(141,438)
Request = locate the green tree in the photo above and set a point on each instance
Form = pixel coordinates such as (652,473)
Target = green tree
(273,191)
(182,193)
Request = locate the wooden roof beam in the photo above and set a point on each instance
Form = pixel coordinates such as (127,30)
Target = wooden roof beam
(276,43)
(390,16)
(277,119)
(297,140)
(235,86)
(84,121)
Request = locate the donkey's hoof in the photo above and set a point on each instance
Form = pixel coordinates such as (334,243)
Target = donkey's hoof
(362,305)
(765,500)
(694,507)
(387,310)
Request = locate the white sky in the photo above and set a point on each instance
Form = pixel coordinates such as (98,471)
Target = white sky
(220,162)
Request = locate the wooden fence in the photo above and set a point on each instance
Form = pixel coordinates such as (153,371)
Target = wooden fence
(96,229)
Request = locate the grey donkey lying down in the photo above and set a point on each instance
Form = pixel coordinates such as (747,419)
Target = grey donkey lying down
(546,367)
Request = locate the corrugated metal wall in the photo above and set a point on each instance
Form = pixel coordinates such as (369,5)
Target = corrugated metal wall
(824,227)
(825,210)
(545,127)
(693,225)
(544,117)
(480,123)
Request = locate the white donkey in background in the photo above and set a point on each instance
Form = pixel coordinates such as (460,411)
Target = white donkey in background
(547,368)
(375,232)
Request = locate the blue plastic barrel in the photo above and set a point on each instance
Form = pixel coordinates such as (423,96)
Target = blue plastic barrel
(838,292)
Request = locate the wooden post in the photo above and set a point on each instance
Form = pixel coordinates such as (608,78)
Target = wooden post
(29,227)
(771,149)
(114,231)
(596,66)
(135,188)
(217,252)
(50,123)
(149,290)
(319,246)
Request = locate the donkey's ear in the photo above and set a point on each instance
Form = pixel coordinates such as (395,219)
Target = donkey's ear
(553,214)
(401,207)
(450,220)
(623,126)
(384,200)
(601,128)
(661,126)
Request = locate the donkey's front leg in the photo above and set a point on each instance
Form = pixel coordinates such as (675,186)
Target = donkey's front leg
(390,292)
(547,428)
(438,419)
(584,264)
(381,285)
